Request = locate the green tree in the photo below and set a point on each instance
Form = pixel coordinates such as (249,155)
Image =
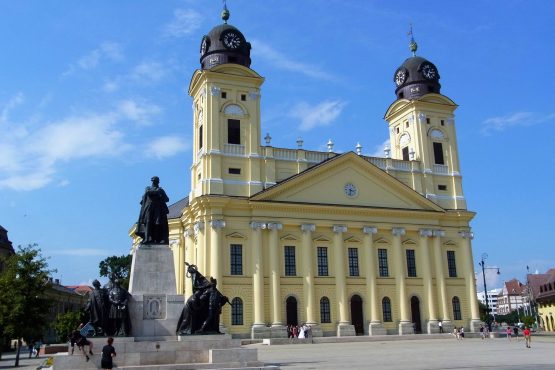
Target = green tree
(66,323)
(119,267)
(23,304)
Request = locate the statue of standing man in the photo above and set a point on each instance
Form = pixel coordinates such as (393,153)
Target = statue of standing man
(153,218)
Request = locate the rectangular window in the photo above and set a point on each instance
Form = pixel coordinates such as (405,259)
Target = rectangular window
(405,152)
(290,265)
(243,97)
(407,124)
(353,262)
(442,122)
(200,137)
(442,187)
(322,261)
(397,129)
(451,264)
(224,95)
(236,258)
(233,131)
(427,120)
(411,263)
(234,171)
(382,263)
(438,153)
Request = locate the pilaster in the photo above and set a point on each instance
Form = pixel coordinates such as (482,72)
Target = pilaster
(200,243)
(216,227)
(344,328)
(433,323)
(475,321)
(375,326)
(275,289)
(257,275)
(405,325)
(440,280)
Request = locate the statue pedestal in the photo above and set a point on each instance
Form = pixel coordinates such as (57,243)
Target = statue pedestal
(154,306)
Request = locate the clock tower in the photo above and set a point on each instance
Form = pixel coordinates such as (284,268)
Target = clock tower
(226,121)
(422,128)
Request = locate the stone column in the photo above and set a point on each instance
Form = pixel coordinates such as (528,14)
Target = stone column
(440,281)
(307,251)
(405,325)
(200,243)
(278,330)
(470,283)
(259,325)
(189,258)
(372,312)
(344,328)
(427,282)
(216,272)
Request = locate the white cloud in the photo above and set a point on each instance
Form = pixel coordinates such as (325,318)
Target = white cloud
(63,183)
(515,119)
(14,101)
(107,51)
(379,149)
(166,146)
(138,112)
(322,114)
(148,72)
(184,23)
(279,60)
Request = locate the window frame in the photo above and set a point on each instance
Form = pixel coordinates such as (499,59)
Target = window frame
(386,310)
(236,259)
(452,264)
(237,312)
(234,131)
(325,310)
(352,254)
(289,258)
(383,269)
(411,262)
(322,261)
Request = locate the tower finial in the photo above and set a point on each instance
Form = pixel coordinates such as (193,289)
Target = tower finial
(225,12)
(413,46)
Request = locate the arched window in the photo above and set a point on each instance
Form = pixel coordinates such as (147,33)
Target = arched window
(325,313)
(236,311)
(386,309)
(457,309)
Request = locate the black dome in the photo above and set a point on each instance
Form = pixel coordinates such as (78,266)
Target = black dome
(224,44)
(416,77)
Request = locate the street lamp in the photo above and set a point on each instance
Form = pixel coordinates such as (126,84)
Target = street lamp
(484,268)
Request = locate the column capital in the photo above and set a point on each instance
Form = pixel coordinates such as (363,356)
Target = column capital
(198,227)
(274,226)
(308,227)
(466,235)
(426,232)
(174,243)
(189,232)
(217,224)
(438,233)
(256,225)
(369,229)
(339,229)
(398,231)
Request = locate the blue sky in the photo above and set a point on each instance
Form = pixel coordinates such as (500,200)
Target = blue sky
(93,102)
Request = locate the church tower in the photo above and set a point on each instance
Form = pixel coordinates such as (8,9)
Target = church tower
(226,116)
(422,128)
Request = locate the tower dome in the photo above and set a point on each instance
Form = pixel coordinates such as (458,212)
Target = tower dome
(416,77)
(224,44)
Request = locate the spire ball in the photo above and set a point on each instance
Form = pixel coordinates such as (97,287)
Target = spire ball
(225,13)
(413,46)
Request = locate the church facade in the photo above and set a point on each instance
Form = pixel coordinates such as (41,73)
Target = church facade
(346,243)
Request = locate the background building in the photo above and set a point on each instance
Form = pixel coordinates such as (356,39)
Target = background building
(512,297)
(348,244)
(492,299)
(6,248)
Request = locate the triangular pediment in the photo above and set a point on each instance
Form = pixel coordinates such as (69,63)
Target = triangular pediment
(347,180)
(409,242)
(289,237)
(382,241)
(321,238)
(236,235)
(352,239)
(450,243)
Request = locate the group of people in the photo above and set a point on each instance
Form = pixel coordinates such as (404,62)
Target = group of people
(108,351)
(108,309)
(514,330)
(294,331)
(34,348)
(458,333)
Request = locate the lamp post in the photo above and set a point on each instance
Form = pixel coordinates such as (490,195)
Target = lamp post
(482,264)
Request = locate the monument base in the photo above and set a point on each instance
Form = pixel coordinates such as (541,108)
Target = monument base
(376,328)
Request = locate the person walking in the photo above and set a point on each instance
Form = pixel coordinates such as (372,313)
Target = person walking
(509,333)
(482,330)
(108,353)
(440,324)
(515,330)
(527,336)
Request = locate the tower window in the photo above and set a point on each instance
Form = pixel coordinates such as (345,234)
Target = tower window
(442,122)
(243,97)
(427,120)
(200,137)
(406,123)
(224,95)
(234,171)
(442,187)
(397,129)
(405,152)
(233,131)
(438,153)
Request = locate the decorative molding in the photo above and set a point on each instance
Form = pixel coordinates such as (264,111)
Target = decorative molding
(236,235)
(369,229)
(198,227)
(382,241)
(425,232)
(289,237)
(154,307)
(217,224)
(352,239)
(398,231)
(174,243)
(308,227)
(437,134)
(234,110)
(450,243)
(438,233)
(215,90)
(274,226)
(404,140)
(409,242)
(321,238)
(189,233)
(339,229)
(256,225)
(466,234)
(253,95)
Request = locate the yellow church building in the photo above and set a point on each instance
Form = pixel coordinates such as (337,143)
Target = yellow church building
(348,244)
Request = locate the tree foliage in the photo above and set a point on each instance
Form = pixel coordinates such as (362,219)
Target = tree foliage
(23,305)
(119,267)
(66,323)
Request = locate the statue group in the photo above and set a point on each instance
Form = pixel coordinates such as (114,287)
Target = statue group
(108,309)
(201,313)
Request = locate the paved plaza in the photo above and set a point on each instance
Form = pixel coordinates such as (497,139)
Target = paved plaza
(429,354)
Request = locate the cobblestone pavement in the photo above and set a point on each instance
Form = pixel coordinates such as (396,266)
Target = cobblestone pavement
(428,354)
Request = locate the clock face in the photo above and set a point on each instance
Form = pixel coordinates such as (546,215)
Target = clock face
(231,39)
(400,77)
(350,190)
(429,72)
(204,45)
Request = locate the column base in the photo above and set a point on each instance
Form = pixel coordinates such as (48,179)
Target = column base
(261,331)
(405,328)
(346,330)
(448,326)
(376,328)
(433,327)
(278,331)
(315,330)
(475,325)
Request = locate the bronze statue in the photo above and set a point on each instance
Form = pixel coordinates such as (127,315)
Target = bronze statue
(152,226)
(201,313)
(119,310)
(96,307)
